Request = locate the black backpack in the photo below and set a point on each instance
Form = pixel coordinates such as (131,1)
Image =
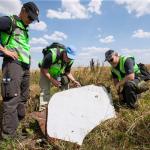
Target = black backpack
(13,27)
(46,50)
(145,74)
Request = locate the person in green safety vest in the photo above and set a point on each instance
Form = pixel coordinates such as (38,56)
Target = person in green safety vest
(56,69)
(126,76)
(15,68)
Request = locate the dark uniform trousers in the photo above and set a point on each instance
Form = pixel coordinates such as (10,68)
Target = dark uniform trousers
(130,92)
(15,92)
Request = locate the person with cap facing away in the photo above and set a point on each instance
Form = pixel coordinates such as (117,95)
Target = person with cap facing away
(16,64)
(126,76)
(55,70)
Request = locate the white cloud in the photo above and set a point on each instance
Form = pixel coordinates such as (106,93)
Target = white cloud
(75,10)
(56,36)
(69,10)
(9,7)
(39,26)
(107,39)
(39,41)
(37,49)
(145,53)
(135,51)
(94,6)
(139,7)
(92,50)
(58,14)
(86,53)
(141,34)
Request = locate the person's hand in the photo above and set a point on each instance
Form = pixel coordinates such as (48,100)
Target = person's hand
(77,84)
(8,53)
(56,83)
(11,54)
(118,87)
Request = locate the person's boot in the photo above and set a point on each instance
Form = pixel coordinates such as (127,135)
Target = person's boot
(142,86)
(6,136)
(133,106)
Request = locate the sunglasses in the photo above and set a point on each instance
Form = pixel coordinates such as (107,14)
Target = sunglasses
(110,60)
(30,18)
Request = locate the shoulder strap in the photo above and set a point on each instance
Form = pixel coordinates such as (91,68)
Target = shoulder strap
(58,55)
(13,27)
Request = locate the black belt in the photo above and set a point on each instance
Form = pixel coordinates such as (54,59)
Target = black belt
(24,65)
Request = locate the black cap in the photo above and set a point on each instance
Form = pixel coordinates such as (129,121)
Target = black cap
(32,10)
(108,54)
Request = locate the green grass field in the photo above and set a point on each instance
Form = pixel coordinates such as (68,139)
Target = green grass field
(129,131)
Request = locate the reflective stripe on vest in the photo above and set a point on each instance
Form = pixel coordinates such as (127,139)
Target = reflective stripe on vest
(57,69)
(53,51)
(18,41)
(122,69)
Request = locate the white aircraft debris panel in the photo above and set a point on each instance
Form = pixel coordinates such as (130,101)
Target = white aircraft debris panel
(73,113)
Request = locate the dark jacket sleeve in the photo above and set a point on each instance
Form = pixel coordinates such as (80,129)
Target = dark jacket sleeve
(129,66)
(68,68)
(114,76)
(47,61)
(5,23)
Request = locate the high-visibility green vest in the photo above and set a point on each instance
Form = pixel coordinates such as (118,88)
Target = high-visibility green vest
(121,72)
(58,67)
(18,40)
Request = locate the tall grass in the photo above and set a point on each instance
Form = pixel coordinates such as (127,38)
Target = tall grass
(130,130)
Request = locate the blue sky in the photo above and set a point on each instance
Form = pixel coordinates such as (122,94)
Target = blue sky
(91,26)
